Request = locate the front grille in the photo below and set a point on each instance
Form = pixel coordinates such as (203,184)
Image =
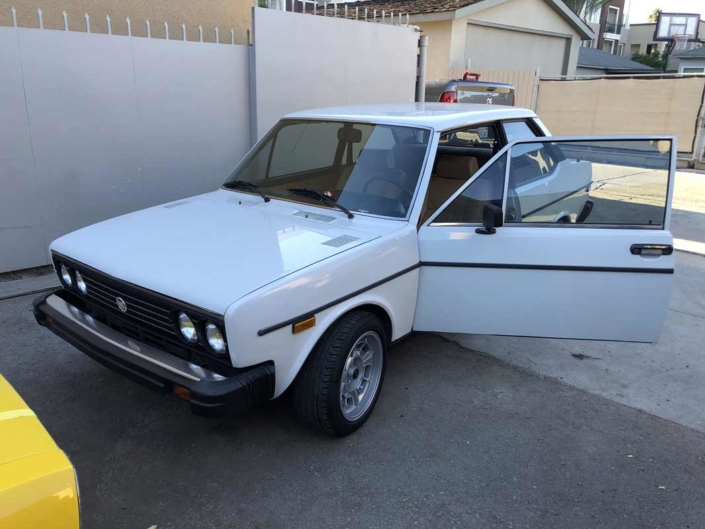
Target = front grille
(149,317)
(151,313)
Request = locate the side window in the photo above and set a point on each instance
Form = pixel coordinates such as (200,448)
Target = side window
(531,162)
(482,136)
(486,189)
(615,182)
(517,130)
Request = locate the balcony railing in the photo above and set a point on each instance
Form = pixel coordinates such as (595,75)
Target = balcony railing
(613,27)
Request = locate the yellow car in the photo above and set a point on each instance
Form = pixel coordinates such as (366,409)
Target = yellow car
(38,485)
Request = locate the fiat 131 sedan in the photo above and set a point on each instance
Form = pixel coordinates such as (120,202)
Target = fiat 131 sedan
(344,230)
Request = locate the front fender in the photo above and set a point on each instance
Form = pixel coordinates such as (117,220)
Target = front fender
(249,321)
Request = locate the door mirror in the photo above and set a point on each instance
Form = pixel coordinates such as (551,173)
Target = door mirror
(492,217)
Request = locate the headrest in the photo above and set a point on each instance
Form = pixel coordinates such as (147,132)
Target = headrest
(456,167)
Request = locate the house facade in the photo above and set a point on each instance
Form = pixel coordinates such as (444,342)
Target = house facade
(607,24)
(640,39)
(491,34)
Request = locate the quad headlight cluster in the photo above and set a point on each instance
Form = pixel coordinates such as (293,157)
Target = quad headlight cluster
(72,279)
(194,329)
(204,331)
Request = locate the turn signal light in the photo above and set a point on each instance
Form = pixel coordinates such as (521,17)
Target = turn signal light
(304,325)
(182,392)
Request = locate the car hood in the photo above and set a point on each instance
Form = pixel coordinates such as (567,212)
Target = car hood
(212,249)
(22,433)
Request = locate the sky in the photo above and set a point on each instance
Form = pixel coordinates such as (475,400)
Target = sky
(640,10)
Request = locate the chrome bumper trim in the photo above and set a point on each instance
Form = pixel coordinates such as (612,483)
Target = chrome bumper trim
(145,352)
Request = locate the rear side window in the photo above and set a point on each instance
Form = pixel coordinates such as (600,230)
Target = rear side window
(477,136)
(517,130)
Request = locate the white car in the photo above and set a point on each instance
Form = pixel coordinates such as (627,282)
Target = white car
(344,230)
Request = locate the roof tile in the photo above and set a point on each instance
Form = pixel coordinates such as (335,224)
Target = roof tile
(592,58)
(695,53)
(411,7)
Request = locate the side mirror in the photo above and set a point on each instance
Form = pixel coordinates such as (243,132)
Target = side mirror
(492,217)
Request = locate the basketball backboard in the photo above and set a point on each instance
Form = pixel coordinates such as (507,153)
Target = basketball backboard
(670,24)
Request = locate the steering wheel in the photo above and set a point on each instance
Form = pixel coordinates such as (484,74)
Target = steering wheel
(389,180)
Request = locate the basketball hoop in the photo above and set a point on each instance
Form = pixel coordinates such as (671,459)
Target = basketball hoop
(680,42)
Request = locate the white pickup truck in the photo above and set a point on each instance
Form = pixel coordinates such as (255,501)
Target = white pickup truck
(344,230)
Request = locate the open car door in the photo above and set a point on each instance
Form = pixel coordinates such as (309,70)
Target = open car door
(575,242)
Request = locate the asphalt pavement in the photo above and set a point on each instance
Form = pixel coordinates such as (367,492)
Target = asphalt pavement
(664,378)
(458,439)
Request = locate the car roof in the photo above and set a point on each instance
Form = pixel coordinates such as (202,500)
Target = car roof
(439,116)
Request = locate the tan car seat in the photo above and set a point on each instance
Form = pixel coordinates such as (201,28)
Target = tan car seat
(451,173)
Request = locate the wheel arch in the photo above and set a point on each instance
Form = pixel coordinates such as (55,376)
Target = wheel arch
(373,304)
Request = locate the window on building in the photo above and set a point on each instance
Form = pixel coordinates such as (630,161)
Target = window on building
(620,50)
(612,22)
(633,49)
(693,70)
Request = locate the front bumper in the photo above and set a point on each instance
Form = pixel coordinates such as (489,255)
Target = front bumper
(208,393)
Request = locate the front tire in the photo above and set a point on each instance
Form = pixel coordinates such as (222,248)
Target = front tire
(340,382)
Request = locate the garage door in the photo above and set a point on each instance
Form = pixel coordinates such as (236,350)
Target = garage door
(499,48)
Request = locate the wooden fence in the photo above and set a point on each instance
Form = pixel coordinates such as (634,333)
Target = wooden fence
(663,104)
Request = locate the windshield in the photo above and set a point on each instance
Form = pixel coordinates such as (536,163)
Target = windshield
(366,168)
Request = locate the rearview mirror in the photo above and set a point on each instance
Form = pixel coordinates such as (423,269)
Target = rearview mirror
(492,217)
(349,134)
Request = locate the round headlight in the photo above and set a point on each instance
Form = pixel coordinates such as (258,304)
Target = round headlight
(80,283)
(66,276)
(215,338)
(187,328)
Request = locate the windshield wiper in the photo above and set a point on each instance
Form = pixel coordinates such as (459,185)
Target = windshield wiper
(239,184)
(313,193)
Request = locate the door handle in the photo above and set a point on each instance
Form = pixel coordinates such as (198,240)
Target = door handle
(651,249)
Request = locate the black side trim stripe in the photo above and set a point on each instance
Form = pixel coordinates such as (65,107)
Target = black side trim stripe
(313,312)
(309,314)
(627,270)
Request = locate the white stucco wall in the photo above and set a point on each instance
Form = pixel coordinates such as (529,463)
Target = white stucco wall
(95,126)
(304,62)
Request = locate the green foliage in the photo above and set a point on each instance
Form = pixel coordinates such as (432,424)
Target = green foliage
(653,17)
(655,60)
